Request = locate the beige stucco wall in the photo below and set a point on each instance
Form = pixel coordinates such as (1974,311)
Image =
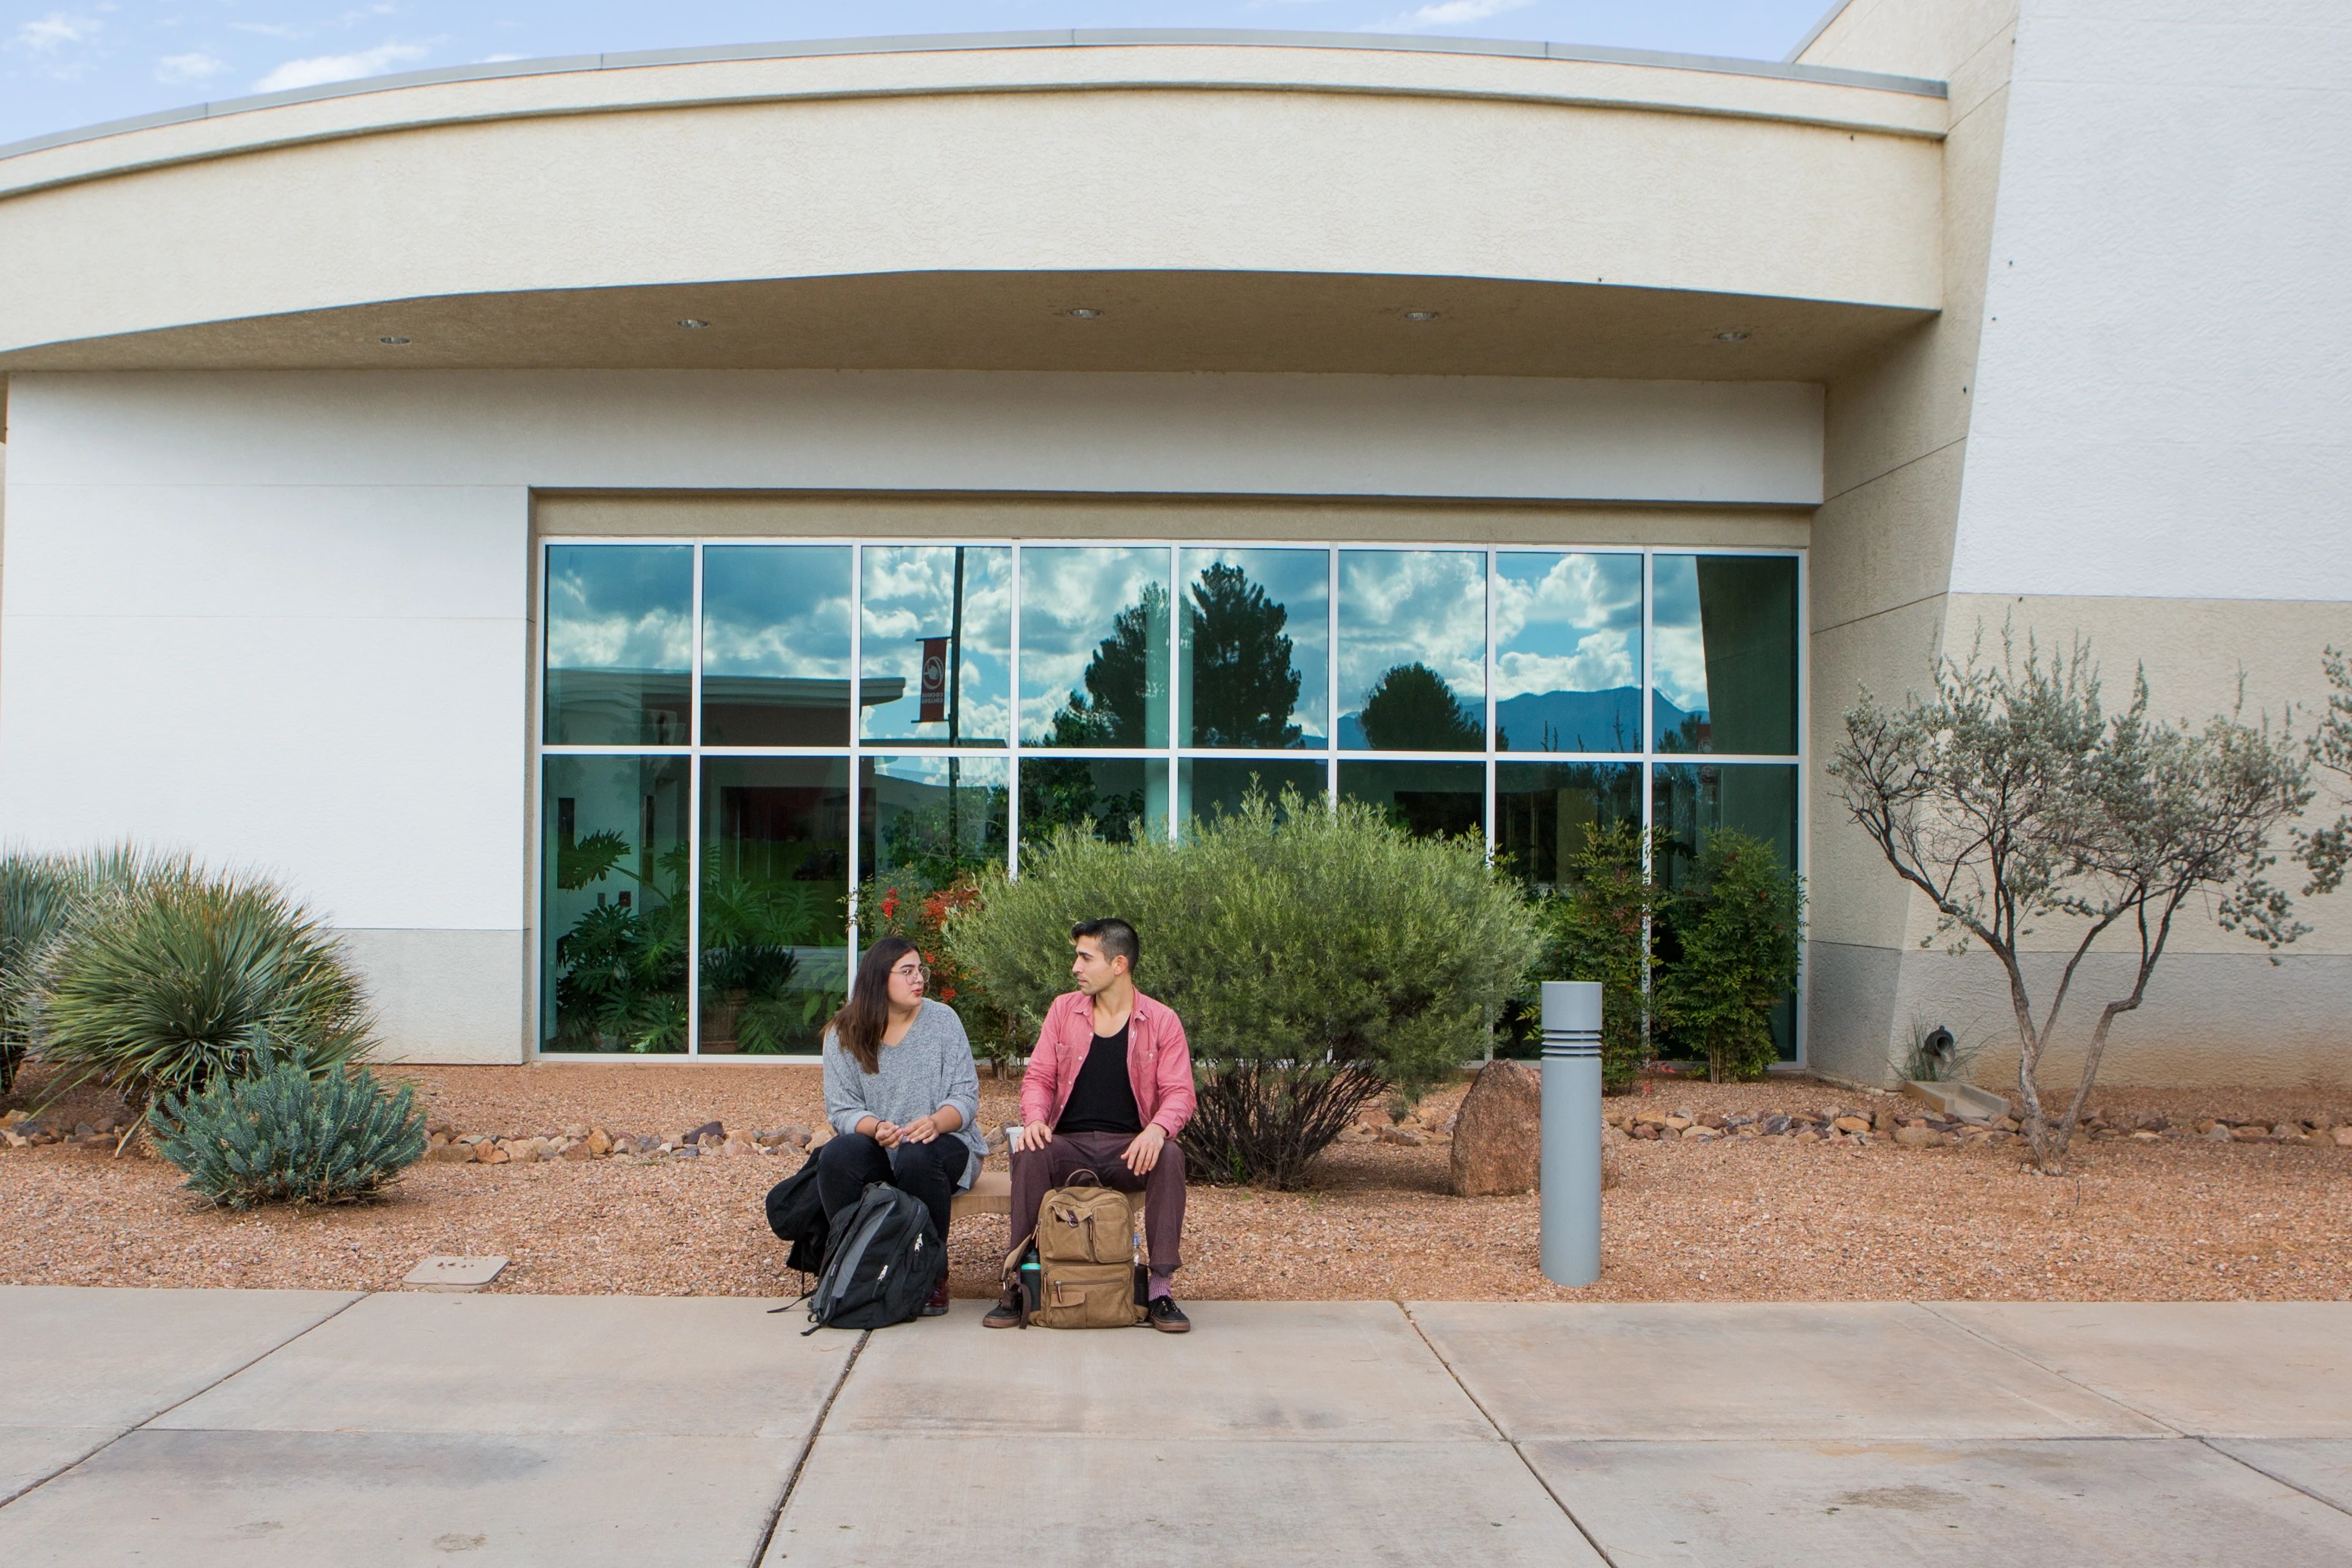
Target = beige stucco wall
(1219,161)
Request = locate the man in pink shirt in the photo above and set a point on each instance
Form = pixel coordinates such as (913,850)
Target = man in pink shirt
(1110,1086)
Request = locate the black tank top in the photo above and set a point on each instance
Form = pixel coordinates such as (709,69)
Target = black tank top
(1102,1100)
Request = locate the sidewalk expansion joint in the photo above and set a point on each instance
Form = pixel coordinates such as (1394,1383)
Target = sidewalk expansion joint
(148,1421)
(1986,1340)
(2271,1475)
(808,1447)
(1533,1474)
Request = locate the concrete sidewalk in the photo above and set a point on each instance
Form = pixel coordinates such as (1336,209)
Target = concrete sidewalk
(258,1427)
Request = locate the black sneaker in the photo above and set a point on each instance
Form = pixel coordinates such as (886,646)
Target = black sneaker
(1165,1315)
(1006,1313)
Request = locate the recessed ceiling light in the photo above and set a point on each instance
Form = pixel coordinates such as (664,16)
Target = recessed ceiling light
(1084,312)
(1734,336)
(1420,315)
(395,343)
(690,321)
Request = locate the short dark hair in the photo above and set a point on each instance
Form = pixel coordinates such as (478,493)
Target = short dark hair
(1118,939)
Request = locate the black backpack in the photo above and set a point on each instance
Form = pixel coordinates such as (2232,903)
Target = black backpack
(797,1214)
(885,1257)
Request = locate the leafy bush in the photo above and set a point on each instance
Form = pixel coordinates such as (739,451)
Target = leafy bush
(284,1136)
(1318,958)
(1738,923)
(178,979)
(906,904)
(1597,927)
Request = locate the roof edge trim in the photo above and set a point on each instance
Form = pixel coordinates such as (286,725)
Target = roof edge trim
(1080,37)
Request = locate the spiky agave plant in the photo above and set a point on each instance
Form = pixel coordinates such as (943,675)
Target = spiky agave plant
(284,1136)
(169,986)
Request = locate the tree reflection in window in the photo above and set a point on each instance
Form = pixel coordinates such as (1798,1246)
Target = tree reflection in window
(1241,687)
(1410,708)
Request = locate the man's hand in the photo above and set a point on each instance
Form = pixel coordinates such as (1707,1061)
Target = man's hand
(1144,1153)
(921,1130)
(1034,1135)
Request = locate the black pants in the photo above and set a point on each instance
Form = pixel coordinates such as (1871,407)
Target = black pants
(926,1172)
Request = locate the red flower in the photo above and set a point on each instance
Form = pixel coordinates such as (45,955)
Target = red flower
(890,904)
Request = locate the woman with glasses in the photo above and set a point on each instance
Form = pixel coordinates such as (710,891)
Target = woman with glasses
(902,1094)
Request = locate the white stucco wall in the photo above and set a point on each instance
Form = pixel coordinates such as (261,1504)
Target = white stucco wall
(283,620)
(2163,401)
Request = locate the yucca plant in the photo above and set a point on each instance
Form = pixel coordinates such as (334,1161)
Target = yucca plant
(284,1136)
(185,980)
(41,897)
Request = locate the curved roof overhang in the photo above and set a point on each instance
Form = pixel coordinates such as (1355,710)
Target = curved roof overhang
(1243,205)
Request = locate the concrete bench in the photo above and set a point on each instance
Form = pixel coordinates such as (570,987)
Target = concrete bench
(992,1193)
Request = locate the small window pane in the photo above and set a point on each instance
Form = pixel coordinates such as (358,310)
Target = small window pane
(936,817)
(1431,799)
(1256,648)
(1726,661)
(1691,802)
(1206,786)
(1544,812)
(1094,647)
(929,675)
(1567,659)
(613,860)
(1412,650)
(776,645)
(620,644)
(1121,796)
(775,855)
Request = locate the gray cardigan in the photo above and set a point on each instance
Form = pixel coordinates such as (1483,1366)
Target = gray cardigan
(931,1067)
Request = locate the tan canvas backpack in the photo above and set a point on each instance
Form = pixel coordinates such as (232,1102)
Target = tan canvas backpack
(1086,1256)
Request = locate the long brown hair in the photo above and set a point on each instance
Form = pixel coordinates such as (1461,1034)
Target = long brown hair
(863,1017)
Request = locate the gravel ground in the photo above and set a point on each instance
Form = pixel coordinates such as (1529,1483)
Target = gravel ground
(2177,1219)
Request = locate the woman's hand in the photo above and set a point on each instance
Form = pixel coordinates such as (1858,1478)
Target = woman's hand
(921,1130)
(886,1134)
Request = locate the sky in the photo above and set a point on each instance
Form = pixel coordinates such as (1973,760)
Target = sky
(70,63)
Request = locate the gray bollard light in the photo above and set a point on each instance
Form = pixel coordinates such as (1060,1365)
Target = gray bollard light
(1571,1132)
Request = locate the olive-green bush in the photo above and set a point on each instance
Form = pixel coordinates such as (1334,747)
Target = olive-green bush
(42,897)
(180,978)
(1738,924)
(284,1136)
(1318,958)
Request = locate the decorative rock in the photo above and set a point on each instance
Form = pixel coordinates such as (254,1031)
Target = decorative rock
(2217,1133)
(1498,1134)
(2343,1136)
(598,1143)
(577,1149)
(708,1130)
(1773,1125)
(1678,1122)
(1647,1130)
(1917,1135)
(1413,1137)
(449,1153)
(491,1155)
(1851,1124)
(2250,1135)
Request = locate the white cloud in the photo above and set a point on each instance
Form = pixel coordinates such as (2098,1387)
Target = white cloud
(1446,14)
(189,68)
(319,69)
(47,35)
(267,29)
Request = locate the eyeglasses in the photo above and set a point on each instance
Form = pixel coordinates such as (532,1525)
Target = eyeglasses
(911,971)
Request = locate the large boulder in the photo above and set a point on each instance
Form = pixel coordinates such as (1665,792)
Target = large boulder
(1499,1136)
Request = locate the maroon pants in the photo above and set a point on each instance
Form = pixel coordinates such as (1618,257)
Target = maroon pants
(1037,1171)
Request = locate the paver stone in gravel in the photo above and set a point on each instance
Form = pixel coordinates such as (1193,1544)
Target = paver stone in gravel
(2253,1369)
(1249,1369)
(490,1363)
(1861,1370)
(115,1358)
(2168,1503)
(1172,1502)
(260,1500)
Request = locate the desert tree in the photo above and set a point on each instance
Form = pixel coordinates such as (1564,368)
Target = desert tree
(2327,851)
(2010,797)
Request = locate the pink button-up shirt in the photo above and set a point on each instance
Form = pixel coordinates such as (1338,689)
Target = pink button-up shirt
(1159,1062)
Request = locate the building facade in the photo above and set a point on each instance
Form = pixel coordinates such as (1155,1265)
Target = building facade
(588,515)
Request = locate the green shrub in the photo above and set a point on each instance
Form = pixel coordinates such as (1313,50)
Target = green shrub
(1737,924)
(162,988)
(1318,958)
(41,898)
(284,1136)
(1598,928)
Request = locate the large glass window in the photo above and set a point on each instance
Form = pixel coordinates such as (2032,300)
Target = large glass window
(737,735)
